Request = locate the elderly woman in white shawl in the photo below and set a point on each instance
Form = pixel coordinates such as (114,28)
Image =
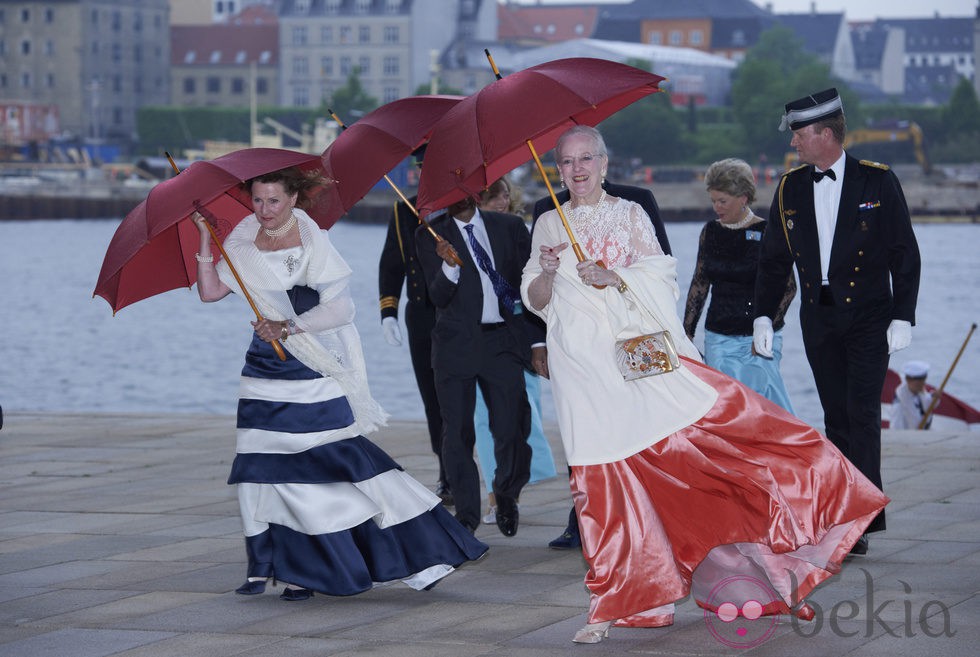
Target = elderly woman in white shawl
(323,508)
(685,480)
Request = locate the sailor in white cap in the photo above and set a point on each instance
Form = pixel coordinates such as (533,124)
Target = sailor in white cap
(845,224)
(912,400)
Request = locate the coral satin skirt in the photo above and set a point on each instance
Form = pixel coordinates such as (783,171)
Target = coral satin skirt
(748,503)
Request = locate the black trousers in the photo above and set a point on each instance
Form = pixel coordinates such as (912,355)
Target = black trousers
(419,320)
(848,353)
(500,375)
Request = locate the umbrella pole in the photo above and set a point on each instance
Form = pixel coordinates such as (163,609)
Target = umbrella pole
(248,297)
(938,392)
(436,236)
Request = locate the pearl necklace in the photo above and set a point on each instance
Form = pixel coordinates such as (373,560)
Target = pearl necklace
(593,213)
(741,223)
(282,230)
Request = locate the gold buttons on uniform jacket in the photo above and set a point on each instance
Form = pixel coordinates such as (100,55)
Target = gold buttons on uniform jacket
(860,253)
(848,299)
(851,283)
(857,269)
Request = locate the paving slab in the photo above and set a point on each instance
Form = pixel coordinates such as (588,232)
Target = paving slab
(119,536)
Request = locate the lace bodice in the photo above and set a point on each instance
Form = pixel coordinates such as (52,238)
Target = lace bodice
(289,265)
(617,232)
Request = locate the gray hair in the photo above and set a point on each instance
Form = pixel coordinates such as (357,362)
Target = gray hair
(586,130)
(731,176)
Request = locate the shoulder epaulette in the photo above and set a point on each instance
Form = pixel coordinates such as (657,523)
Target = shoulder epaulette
(796,168)
(876,165)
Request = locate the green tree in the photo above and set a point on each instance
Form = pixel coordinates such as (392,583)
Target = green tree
(962,114)
(350,101)
(650,130)
(776,70)
(424,89)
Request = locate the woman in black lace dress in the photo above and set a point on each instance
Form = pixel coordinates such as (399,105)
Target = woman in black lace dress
(728,255)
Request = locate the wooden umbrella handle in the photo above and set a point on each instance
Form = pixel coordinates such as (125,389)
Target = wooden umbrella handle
(276,346)
(937,393)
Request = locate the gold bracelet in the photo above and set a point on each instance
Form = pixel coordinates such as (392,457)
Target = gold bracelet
(622,286)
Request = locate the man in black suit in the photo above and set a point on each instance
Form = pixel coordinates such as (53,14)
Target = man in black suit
(845,224)
(570,537)
(480,338)
(399,267)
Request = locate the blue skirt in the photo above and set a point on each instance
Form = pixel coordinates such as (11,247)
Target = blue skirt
(732,355)
(322,506)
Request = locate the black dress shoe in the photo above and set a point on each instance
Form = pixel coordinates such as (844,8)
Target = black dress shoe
(293,595)
(566,541)
(507,515)
(251,588)
(446,495)
(861,546)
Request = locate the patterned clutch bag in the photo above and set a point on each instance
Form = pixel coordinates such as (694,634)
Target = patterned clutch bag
(646,355)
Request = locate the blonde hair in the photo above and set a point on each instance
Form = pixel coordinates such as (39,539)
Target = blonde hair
(731,176)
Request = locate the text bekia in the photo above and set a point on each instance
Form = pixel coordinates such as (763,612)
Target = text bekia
(933,617)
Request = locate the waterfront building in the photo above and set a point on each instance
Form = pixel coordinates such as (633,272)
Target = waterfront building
(97,62)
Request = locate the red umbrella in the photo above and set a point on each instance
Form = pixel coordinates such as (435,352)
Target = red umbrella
(367,150)
(498,128)
(152,250)
(948,406)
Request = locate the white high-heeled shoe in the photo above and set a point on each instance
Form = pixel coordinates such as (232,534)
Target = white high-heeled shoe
(593,632)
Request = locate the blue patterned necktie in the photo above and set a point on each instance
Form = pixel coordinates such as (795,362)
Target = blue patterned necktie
(505,292)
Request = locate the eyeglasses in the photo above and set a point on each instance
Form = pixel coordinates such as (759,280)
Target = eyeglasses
(583,160)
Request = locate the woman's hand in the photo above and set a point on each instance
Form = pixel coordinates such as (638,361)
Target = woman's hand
(200,221)
(592,274)
(549,259)
(270,330)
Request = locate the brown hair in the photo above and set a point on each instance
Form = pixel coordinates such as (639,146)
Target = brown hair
(731,176)
(305,184)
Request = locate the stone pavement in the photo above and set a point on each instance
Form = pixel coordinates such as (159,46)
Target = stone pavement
(119,536)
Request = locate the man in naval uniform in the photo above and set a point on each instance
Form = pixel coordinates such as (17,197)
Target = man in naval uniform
(845,224)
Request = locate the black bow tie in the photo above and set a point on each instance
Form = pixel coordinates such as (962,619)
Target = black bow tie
(819,175)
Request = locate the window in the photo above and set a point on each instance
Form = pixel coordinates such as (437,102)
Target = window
(362,6)
(392,6)
(265,57)
(301,97)
(50,80)
(345,34)
(189,56)
(117,85)
(676,38)
(655,38)
(696,37)
(390,65)
(345,66)
(299,35)
(333,6)
(25,80)
(326,34)
(326,66)
(215,57)
(301,66)
(238,86)
(391,34)
(390,94)
(137,53)
(25,47)
(261,86)
(116,21)
(738,38)
(240,57)
(49,47)
(364,34)
(213,84)
(116,52)
(364,65)
(3,80)
(49,15)
(25,15)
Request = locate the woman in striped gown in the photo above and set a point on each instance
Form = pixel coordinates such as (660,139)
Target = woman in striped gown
(323,508)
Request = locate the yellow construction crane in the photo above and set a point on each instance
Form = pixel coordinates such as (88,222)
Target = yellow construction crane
(882,133)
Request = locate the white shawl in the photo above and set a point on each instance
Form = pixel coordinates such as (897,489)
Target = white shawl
(335,352)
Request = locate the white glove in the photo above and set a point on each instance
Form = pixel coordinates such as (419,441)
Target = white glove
(762,336)
(899,335)
(393,334)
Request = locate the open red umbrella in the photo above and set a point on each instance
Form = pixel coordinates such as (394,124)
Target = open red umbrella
(365,151)
(152,250)
(490,133)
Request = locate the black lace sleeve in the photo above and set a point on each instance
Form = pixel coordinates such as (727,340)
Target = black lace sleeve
(698,292)
(777,321)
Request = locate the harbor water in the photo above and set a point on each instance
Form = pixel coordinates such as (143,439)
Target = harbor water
(63,350)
